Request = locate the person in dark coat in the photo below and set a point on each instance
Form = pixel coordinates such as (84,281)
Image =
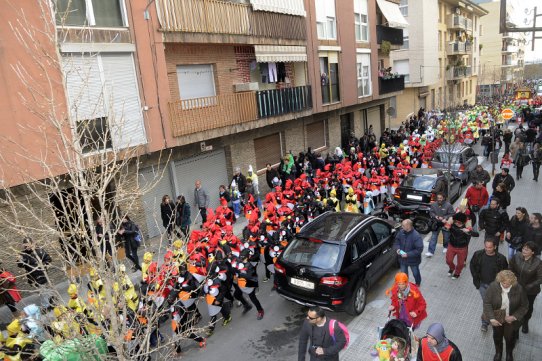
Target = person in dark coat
(409,247)
(516,231)
(505,178)
(501,193)
(128,230)
(436,344)
(316,337)
(224,193)
(479,174)
(534,233)
(493,220)
(505,291)
(167,210)
(34,261)
(240,180)
(182,215)
(528,270)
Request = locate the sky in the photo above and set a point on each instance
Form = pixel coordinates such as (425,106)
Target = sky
(520,16)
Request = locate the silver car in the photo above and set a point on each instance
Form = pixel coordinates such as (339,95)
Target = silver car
(458,158)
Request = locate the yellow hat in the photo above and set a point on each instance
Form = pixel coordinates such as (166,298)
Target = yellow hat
(333,193)
(92,272)
(72,289)
(14,327)
(177,244)
(147,257)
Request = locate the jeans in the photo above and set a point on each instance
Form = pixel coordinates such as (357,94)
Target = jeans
(434,238)
(130,245)
(511,252)
(482,290)
(236,208)
(415,272)
(475,221)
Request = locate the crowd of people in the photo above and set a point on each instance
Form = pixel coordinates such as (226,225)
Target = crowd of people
(220,267)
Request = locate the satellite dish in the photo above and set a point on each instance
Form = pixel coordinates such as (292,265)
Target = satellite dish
(390,111)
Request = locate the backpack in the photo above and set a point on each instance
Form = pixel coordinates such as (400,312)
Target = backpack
(343,328)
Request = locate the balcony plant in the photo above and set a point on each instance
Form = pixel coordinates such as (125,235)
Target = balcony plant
(385,47)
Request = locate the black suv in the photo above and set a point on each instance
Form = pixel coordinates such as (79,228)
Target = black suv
(419,187)
(334,260)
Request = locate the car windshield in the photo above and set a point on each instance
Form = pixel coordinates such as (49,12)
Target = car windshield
(423,183)
(446,157)
(313,253)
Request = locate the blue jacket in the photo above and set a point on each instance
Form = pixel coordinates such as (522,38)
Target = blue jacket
(412,244)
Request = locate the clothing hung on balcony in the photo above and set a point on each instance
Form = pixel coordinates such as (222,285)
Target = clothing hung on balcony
(272,68)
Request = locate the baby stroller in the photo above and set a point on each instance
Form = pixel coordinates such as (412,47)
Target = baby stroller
(395,339)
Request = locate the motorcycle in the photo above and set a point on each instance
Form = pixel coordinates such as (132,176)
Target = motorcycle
(419,214)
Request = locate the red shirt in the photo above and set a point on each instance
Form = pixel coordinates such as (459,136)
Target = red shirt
(477,197)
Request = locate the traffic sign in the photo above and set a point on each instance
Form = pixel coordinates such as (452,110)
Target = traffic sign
(507,113)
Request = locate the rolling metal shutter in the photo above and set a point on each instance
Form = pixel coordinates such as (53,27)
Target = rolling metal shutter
(160,179)
(268,150)
(210,168)
(373,118)
(316,134)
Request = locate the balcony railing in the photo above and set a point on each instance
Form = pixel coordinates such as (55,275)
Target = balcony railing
(391,85)
(459,22)
(459,47)
(510,49)
(459,72)
(272,103)
(208,113)
(385,33)
(221,17)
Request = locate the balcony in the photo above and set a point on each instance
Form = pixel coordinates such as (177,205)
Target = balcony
(391,85)
(509,60)
(393,35)
(458,22)
(459,72)
(221,17)
(275,102)
(203,114)
(510,49)
(459,48)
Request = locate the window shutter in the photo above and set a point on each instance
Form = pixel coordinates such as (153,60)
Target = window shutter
(125,116)
(268,150)
(196,81)
(316,134)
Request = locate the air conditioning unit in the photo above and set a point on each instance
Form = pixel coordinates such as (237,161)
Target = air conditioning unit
(246,87)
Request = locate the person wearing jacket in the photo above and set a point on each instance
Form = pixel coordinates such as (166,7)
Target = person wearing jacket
(536,159)
(240,180)
(315,335)
(409,247)
(201,200)
(505,306)
(167,210)
(407,302)
(270,174)
(479,174)
(494,221)
(501,193)
(477,198)
(34,260)
(246,279)
(128,230)
(458,245)
(440,212)
(435,346)
(534,233)
(182,215)
(9,294)
(516,231)
(485,264)
(504,177)
(520,159)
(528,270)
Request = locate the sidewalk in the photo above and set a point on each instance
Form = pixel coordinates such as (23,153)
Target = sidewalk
(454,303)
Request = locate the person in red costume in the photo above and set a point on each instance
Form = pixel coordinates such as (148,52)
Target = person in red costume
(407,302)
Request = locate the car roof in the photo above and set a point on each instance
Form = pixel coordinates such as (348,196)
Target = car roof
(452,148)
(333,226)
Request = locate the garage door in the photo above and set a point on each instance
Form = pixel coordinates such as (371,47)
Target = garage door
(159,179)
(373,118)
(210,168)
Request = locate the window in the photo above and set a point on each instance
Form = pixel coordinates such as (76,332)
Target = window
(94,135)
(316,134)
(440,68)
(100,13)
(405,39)
(362,243)
(268,149)
(481,32)
(381,231)
(403,7)
(439,40)
(402,67)
(329,78)
(361,20)
(196,85)
(326,24)
(364,74)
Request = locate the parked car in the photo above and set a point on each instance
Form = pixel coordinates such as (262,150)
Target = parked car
(458,158)
(334,260)
(418,187)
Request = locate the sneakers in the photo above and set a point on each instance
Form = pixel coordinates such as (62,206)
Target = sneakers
(445,250)
(265,279)
(260,315)
(483,328)
(429,255)
(246,309)
(450,273)
(455,276)
(226,321)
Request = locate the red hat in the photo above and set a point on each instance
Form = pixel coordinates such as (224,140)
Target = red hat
(223,202)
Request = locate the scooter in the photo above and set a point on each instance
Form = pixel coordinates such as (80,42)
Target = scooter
(419,214)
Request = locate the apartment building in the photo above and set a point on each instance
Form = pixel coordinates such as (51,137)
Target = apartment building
(200,87)
(439,56)
(501,55)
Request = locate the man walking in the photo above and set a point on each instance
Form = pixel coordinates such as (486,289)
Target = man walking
(484,266)
(480,175)
(477,198)
(493,220)
(34,260)
(323,345)
(201,200)
(440,212)
(504,177)
(458,246)
(409,247)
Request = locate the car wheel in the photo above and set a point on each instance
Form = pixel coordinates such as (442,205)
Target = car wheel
(421,224)
(358,301)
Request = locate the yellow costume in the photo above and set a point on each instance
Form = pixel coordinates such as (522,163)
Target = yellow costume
(351,202)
